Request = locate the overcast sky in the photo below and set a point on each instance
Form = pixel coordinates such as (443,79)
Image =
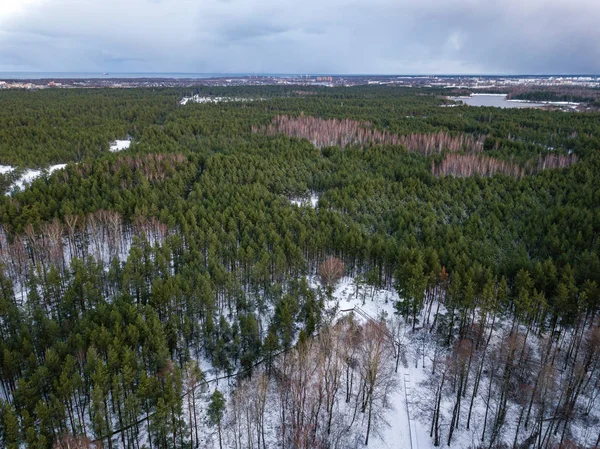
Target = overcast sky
(301,36)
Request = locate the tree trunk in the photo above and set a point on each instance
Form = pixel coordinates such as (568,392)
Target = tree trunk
(220,439)
(369,420)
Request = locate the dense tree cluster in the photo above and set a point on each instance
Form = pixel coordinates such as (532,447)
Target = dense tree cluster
(38,128)
(555,93)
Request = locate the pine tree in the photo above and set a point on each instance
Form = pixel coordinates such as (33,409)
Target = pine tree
(215,411)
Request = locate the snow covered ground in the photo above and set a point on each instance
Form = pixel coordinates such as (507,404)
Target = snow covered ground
(410,418)
(119,145)
(403,430)
(29,175)
(311,201)
(201,99)
(501,100)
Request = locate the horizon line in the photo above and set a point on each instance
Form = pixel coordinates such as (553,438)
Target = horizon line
(303,74)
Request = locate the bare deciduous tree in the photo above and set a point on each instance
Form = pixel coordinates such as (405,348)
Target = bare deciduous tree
(343,132)
(68,441)
(331,271)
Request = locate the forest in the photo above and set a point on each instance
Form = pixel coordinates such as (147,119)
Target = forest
(571,94)
(269,274)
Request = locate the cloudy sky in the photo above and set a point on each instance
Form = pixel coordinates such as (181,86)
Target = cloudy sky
(301,36)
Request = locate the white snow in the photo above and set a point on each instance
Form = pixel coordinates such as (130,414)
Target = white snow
(409,418)
(56,167)
(310,201)
(199,99)
(29,175)
(119,145)
(554,103)
(501,100)
(405,430)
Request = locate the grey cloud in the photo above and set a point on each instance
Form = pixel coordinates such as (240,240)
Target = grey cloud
(327,36)
(249,31)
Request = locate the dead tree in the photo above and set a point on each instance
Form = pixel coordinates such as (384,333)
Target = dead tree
(331,271)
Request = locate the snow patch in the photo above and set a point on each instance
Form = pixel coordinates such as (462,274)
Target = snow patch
(119,145)
(310,201)
(199,99)
(53,168)
(30,175)
(26,178)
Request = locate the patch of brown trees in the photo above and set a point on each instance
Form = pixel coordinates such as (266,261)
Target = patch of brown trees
(345,132)
(155,167)
(462,165)
(331,391)
(331,271)
(48,246)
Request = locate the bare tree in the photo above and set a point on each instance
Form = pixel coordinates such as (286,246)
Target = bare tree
(194,376)
(68,441)
(378,375)
(71,222)
(344,132)
(331,271)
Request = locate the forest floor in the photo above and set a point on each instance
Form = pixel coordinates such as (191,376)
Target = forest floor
(403,430)
(409,418)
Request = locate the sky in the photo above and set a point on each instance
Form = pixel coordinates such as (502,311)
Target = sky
(301,36)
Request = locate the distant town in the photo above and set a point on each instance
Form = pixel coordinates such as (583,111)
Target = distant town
(434,81)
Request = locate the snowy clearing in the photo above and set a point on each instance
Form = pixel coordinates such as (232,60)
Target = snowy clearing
(119,145)
(310,201)
(30,175)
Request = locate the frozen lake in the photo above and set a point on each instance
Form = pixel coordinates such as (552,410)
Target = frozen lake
(497,101)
